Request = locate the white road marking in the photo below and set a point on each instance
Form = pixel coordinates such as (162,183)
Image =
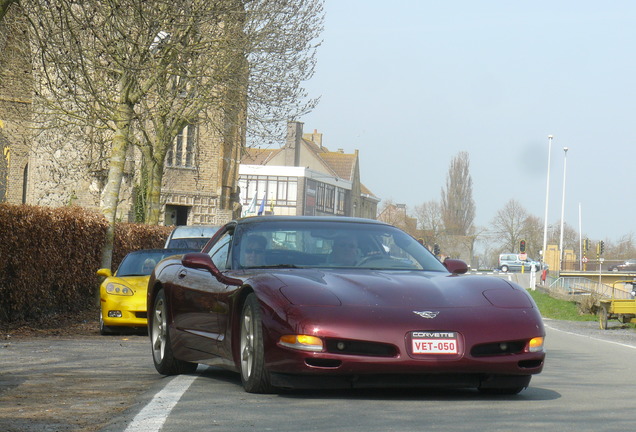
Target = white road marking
(591,337)
(152,417)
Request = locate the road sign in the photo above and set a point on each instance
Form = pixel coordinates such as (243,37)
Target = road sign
(584,259)
(523,256)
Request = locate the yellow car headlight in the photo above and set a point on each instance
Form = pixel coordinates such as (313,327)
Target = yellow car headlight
(535,344)
(302,342)
(118,289)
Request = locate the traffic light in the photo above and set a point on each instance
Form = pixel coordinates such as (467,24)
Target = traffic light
(436,249)
(586,245)
(602,247)
(522,246)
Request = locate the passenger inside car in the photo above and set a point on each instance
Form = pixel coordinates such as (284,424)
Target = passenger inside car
(148,266)
(254,251)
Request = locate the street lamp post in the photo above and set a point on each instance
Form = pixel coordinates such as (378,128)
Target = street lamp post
(547,194)
(565,154)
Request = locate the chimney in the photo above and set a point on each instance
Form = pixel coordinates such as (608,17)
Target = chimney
(293,142)
(314,137)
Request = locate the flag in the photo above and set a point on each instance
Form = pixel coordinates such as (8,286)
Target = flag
(262,207)
(250,208)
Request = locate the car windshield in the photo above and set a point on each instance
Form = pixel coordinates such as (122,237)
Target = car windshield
(188,243)
(141,263)
(329,244)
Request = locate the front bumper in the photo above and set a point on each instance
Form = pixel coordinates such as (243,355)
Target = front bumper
(133,310)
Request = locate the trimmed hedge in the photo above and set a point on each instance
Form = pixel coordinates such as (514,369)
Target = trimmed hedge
(49,256)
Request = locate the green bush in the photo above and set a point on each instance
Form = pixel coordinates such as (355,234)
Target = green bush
(49,256)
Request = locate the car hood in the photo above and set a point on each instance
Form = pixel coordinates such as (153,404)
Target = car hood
(397,289)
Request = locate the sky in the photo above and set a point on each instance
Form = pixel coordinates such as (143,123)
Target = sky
(411,83)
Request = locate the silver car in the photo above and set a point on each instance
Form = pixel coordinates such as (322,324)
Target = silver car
(510,262)
(190,236)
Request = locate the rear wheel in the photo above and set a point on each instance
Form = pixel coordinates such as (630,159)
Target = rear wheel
(254,377)
(162,356)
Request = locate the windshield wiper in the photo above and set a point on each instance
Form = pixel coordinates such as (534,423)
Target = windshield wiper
(279,266)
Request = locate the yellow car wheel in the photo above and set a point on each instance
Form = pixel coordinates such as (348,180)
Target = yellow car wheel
(103,329)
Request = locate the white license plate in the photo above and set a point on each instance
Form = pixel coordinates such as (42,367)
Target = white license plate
(434,343)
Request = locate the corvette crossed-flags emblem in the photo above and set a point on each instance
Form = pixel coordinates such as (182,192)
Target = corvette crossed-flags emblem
(426,314)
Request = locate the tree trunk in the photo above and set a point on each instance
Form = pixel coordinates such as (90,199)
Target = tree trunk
(110,195)
(153,201)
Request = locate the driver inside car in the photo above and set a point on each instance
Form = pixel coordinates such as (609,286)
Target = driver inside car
(254,253)
(344,251)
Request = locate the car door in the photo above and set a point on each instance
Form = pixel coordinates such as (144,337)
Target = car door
(198,313)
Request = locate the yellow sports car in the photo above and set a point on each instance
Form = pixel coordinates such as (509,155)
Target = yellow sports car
(123,295)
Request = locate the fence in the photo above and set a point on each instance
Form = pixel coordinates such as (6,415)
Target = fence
(584,286)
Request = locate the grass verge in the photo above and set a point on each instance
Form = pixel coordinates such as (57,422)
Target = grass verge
(553,308)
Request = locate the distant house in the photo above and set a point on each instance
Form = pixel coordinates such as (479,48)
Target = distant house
(303,177)
(395,214)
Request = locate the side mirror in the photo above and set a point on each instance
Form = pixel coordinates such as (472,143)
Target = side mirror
(200,260)
(455,266)
(104,272)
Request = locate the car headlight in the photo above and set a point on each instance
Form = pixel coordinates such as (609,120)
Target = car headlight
(535,344)
(302,342)
(118,289)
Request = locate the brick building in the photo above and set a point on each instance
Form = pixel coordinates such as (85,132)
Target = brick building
(44,166)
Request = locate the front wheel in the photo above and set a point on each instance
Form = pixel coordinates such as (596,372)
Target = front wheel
(504,384)
(103,329)
(162,356)
(501,391)
(254,376)
(504,268)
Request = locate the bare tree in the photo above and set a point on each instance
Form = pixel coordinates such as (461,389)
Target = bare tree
(623,249)
(458,206)
(145,70)
(508,225)
(570,236)
(396,215)
(532,233)
(429,218)
(4,7)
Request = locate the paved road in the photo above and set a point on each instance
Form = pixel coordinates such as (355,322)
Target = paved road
(108,384)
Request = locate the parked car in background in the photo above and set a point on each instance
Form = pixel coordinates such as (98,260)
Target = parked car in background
(123,295)
(338,302)
(511,262)
(190,236)
(629,265)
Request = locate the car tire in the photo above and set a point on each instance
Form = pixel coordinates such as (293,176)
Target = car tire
(103,329)
(254,377)
(162,355)
(501,391)
(505,385)
(504,268)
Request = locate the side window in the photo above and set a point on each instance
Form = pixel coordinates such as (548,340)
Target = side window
(220,251)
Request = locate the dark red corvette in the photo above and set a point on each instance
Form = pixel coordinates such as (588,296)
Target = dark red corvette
(307,302)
